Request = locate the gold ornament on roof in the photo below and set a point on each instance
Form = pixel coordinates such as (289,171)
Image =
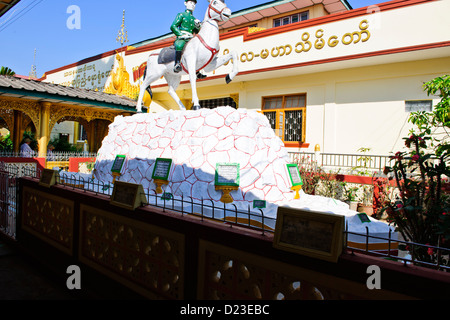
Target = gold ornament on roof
(122,36)
(255,29)
(120,78)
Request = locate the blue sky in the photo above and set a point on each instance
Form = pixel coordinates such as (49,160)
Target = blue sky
(42,25)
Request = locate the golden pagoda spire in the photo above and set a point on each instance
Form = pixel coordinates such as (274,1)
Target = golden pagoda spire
(32,73)
(122,36)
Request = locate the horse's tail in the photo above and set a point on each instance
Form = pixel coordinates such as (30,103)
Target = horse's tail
(150,92)
(148,89)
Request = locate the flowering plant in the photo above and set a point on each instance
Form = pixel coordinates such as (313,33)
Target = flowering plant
(312,174)
(382,194)
(421,210)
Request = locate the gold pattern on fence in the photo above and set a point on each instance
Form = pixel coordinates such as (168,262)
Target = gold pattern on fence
(145,258)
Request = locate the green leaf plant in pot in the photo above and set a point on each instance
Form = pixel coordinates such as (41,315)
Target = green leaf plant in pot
(366,206)
(350,195)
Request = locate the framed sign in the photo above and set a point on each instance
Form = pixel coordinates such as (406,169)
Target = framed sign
(167,196)
(227,174)
(162,169)
(315,234)
(128,195)
(363,217)
(118,164)
(259,204)
(48,178)
(294,174)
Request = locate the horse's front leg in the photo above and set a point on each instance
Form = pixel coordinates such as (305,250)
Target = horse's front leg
(219,61)
(193,80)
(173,82)
(143,87)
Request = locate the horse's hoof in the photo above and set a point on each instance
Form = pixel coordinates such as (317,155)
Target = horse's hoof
(195,108)
(201,76)
(228,79)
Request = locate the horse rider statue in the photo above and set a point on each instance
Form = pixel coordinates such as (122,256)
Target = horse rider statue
(184,27)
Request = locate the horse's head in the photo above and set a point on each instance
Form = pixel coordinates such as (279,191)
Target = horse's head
(218,10)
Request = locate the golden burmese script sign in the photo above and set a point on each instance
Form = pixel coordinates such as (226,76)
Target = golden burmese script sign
(316,42)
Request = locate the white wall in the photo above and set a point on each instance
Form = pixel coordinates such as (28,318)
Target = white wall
(353,108)
(66,127)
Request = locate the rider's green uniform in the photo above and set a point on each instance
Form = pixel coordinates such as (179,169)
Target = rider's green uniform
(184,21)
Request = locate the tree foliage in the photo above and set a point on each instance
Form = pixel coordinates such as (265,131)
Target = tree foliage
(5,71)
(422,210)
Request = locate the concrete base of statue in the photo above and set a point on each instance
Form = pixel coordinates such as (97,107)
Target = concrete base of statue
(196,141)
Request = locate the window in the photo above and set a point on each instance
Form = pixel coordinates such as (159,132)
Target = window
(64,137)
(418,105)
(82,134)
(291,19)
(287,116)
(221,102)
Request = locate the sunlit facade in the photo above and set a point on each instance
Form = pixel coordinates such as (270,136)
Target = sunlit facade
(325,75)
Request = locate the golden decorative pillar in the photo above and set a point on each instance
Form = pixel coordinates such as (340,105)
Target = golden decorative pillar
(17,131)
(76,133)
(92,136)
(44,133)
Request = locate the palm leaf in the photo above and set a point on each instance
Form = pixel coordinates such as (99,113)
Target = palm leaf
(6,71)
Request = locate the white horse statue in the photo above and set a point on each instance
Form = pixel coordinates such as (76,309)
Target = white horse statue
(201,52)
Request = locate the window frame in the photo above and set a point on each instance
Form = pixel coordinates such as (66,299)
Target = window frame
(290,17)
(280,125)
(234,103)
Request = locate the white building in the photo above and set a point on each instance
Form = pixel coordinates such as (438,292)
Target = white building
(341,79)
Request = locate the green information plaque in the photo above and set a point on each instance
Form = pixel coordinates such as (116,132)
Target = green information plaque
(118,164)
(259,204)
(162,169)
(294,174)
(363,217)
(227,174)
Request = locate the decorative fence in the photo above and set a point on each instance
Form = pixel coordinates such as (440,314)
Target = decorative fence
(56,155)
(8,200)
(345,163)
(166,254)
(230,215)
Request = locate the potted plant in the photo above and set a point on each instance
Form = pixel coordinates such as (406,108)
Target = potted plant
(383,193)
(364,161)
(350,194)
(366,206)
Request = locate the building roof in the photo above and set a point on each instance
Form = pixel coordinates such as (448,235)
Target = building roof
(19,87)
(6,5)
(276,7)
(268,9)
